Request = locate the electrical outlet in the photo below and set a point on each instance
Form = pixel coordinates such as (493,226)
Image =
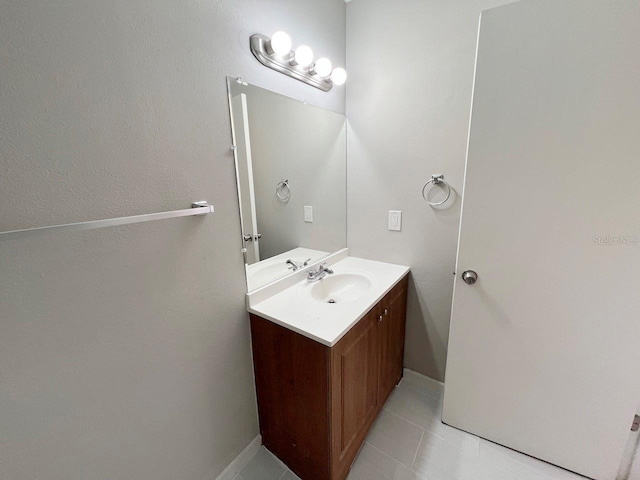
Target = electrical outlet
(395,220)
(308,214)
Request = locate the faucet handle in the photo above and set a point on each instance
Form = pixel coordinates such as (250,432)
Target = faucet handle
(306,262)
(323,268)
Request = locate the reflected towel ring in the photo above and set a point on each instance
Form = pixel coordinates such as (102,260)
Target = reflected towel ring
(436,180)
(283,187)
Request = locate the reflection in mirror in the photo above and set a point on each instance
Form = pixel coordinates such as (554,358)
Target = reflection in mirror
(291,174)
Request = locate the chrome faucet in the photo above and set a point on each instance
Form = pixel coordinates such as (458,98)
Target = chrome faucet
(297,266)
(319,274)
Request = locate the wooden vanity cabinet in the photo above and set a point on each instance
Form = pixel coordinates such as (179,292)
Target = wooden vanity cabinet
(317,403)
(393,311)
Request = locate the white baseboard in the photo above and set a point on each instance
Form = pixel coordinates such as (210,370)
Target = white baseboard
(241,460)
(423,381)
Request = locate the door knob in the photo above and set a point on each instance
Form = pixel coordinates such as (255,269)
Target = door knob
(469,277)
(247,237)
(257,237)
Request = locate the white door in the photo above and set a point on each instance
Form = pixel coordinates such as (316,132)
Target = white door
(244,174)
(544,349)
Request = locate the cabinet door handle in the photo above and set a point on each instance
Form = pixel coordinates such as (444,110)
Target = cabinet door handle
(386,311)
(380,318)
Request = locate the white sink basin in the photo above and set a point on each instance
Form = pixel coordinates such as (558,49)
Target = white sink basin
(356,286)
(340,288)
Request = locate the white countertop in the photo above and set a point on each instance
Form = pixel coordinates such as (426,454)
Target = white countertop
(327,323)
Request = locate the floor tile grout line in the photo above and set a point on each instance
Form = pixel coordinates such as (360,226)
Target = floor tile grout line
(436,435)
(421,385)
(430,391)
(415,456)
(403,418)
(420,475)
(423,391)
(385,453)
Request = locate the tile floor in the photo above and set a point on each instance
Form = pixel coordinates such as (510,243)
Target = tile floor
(409,442)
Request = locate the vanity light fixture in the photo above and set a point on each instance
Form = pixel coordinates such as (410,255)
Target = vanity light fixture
(338,76)
(303,56)
(280,44)
(322,67)
(276,53)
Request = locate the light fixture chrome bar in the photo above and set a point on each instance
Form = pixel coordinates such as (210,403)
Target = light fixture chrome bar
(197,208)
(259,48)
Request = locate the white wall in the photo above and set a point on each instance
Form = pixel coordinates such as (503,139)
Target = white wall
(124,352)
(410,65)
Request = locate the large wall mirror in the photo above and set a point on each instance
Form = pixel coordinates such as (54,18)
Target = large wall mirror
(291,165)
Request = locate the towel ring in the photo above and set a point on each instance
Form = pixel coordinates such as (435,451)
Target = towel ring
(436,180)
(281,187)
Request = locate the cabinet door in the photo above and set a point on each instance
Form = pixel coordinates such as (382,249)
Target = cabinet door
(354,394)
(391,333)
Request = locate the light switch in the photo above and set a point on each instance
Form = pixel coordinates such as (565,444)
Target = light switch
(308,214)
(395,220)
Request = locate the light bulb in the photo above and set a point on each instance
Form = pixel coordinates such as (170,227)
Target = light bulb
(338,76)
(323,67)
(303,56)
(280,43)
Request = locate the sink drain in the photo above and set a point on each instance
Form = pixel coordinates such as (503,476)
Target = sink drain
(331,300)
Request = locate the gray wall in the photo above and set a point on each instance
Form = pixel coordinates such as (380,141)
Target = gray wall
(124,352)
(410,65)
(306,145)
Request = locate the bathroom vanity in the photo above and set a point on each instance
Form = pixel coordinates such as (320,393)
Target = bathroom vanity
(327,352)
(326,357)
